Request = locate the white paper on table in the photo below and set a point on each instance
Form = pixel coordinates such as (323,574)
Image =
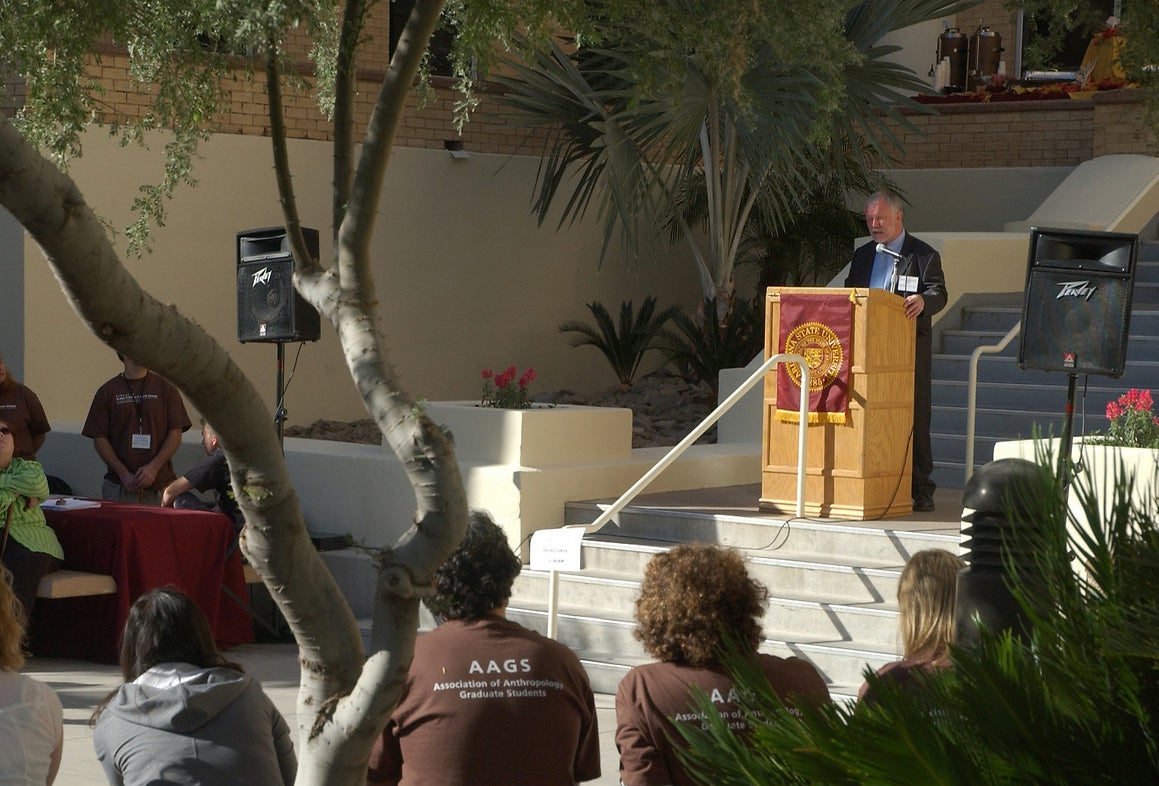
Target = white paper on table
(68,503)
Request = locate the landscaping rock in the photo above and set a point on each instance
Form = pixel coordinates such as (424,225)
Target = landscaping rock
(665,408)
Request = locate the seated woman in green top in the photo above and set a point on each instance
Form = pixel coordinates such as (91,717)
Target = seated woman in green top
(28,545)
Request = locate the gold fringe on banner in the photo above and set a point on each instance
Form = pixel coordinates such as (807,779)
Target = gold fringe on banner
(792,416)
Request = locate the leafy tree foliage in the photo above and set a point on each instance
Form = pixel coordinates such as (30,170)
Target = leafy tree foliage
(746,114)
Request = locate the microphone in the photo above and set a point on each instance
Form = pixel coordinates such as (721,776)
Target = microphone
(881,249)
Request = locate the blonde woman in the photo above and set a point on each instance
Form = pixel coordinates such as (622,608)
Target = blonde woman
(925,601)
(31,717)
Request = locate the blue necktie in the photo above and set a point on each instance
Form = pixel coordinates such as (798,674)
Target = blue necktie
(882,271)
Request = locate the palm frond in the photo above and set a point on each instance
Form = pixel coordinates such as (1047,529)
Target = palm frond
(623,343)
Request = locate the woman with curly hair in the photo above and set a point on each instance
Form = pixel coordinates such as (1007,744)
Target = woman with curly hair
(926,595)
(31,717)
(487,702)
(187,715)
(693,599)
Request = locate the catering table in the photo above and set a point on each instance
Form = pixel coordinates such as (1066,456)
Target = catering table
(141,547)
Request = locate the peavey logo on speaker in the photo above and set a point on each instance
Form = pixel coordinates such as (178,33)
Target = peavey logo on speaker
(262,276)
(1081,289)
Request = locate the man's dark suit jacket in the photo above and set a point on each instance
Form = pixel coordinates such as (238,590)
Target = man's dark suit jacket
(921,260)
(918,259)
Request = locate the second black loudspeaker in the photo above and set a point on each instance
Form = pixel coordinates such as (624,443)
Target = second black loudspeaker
(269,309)
(1077,307)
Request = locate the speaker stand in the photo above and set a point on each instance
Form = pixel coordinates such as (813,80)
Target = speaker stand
(280,411)
(1064,462)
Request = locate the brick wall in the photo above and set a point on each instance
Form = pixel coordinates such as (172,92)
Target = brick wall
(1042,133)
(1122,125)
(1045,133)
(12,92)
(425,127)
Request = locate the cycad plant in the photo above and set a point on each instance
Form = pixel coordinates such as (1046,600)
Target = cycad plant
(1074,700)
(712,340)
(623,343)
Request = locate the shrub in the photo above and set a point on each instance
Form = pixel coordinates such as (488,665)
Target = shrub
(625,343)
(703,345)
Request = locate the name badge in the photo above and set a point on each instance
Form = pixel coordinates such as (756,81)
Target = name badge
(907,284)
(142,441)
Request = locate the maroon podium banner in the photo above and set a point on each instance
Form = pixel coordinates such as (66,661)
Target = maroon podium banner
(818,328)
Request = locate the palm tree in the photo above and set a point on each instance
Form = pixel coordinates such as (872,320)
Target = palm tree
(637,144)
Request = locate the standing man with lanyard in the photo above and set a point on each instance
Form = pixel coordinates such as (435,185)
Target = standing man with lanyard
(900,263)
(135,422)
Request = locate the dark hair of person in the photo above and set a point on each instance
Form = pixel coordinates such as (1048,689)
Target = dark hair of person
(693,598)
(478,576)
(165,626)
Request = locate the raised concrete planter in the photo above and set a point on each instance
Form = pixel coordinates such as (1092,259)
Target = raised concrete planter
(537,437)
(1099,468)
(522,466)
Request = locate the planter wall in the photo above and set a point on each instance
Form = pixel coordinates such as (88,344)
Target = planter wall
(1098,467)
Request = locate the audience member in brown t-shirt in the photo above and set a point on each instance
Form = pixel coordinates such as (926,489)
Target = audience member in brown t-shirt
(487,702)
(135,422)
(23,413)
(693,597)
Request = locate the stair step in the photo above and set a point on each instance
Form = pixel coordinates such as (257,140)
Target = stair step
(611,628)
(844,584)
(883,542)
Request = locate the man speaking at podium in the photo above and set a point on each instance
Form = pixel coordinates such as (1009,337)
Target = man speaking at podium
(899,262)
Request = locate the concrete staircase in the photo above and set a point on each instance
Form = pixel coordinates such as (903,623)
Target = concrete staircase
(832,584)
(1014,403)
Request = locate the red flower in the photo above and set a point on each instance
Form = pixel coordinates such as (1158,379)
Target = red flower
(487,373)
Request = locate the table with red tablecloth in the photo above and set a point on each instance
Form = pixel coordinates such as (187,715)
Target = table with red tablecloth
(141,547)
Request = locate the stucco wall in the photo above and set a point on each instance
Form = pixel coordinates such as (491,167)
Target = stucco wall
(465,278)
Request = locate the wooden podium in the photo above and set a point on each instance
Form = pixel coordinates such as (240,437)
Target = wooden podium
(860,469)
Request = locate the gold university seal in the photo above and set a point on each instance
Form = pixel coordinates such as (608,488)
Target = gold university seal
(820,347)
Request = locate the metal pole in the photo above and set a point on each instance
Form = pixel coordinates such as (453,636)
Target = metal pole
(280,411)
(1067,431)
(552,604)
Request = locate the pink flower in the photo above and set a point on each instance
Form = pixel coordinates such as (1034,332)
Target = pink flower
(1113,410)
(487,373)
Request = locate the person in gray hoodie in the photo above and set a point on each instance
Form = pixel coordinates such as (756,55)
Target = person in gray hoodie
(186,715)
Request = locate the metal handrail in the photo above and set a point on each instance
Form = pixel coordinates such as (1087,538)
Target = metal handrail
(706,424)
(972,391)
(679,449)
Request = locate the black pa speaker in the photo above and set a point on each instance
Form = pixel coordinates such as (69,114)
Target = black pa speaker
(1077,306)
(268,307)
